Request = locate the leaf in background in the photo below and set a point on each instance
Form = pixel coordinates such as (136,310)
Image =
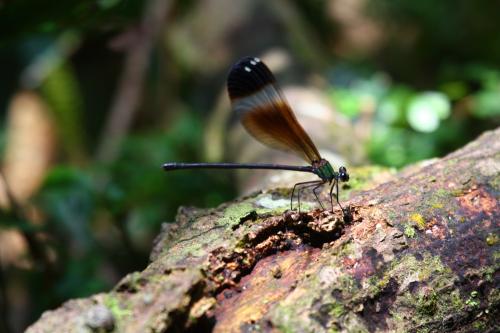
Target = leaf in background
(13,249)
(399,146)
(62,91)
(347,102)
(391,109)
(454,89)
(67,198)
(426,110)
(107,4)
(487,104)
(81,277)
(30,146)
(29,151)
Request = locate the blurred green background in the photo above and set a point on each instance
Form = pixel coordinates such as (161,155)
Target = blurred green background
(96,95)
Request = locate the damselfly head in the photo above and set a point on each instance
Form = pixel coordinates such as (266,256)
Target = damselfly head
(343,175)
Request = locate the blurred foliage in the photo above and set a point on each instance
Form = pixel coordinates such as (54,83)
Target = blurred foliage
(62,92)
(24,17)
(410,124)
(429,85)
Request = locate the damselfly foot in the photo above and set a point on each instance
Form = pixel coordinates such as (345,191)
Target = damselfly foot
(347,215)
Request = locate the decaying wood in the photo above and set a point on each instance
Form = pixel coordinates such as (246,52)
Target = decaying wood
(421,255)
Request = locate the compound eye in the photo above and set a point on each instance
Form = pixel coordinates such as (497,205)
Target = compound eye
(343,175)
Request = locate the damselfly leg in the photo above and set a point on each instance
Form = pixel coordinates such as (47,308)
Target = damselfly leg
(316,194)
(301,187)
(335,185)
(345,211)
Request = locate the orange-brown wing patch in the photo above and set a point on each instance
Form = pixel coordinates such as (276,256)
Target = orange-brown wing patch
(275,125)
(257,99)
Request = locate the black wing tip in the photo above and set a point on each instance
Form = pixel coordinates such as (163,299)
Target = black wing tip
(248,76)
(245,62)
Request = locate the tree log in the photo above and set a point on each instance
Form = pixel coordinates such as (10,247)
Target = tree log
(421,255)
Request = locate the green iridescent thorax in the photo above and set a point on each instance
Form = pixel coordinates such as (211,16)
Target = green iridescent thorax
(324,170)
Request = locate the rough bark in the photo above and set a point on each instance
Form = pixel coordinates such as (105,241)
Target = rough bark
(421,255)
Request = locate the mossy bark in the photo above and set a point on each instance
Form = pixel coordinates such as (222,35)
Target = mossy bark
(421,255)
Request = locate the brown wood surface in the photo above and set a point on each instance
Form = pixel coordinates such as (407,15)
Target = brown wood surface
(421,255)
